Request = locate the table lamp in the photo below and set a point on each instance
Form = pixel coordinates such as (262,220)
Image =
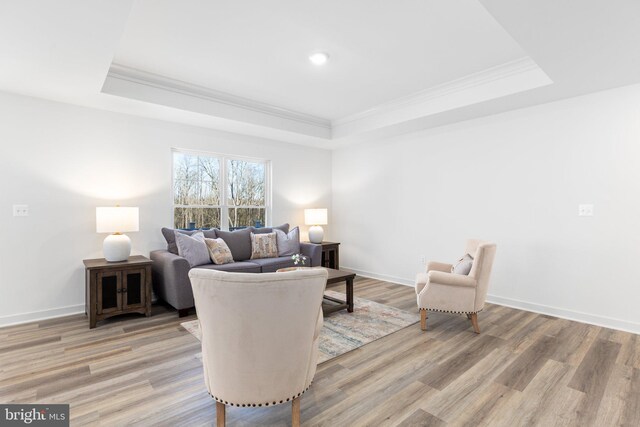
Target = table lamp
(116,220)
(315,218)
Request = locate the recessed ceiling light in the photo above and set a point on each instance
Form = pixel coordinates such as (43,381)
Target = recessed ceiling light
(319,58)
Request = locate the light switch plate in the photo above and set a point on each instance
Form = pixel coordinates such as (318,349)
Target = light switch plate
(20,210)
(585,210)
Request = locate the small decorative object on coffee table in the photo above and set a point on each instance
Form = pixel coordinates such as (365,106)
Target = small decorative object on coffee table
(299,259)
(114,288)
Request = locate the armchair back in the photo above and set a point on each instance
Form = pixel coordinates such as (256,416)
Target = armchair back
(259,333)
(484,254)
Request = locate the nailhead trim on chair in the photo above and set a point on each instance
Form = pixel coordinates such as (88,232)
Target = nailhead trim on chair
(448,311)
(253,405)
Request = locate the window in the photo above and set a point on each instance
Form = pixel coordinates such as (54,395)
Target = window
(219,191)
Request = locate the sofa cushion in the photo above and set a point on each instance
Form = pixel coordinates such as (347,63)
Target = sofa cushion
(288,243)
(270,265)
(235,267)
(170,236)
(219,251)
(239,242)
(284,227)
(263,245)
(193,248)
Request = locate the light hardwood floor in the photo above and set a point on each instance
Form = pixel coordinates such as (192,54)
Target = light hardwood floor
(524,369)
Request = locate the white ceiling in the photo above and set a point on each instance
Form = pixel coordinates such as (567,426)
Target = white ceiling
(379,50)
(241,65)
(58,48)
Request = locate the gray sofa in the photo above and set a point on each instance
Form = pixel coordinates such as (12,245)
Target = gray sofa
(171,271)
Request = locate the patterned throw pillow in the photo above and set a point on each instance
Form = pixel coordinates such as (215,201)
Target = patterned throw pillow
(219,251)
(264,245)
(463,266)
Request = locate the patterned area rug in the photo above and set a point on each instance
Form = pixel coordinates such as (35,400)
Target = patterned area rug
(343,331)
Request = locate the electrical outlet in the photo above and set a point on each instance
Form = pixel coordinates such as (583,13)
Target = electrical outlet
(20,210)
(423,259)
(585,210)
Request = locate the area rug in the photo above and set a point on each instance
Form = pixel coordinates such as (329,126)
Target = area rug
(343,331)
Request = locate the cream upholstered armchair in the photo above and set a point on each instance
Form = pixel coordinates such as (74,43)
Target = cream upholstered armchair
(438,289)
(259,335)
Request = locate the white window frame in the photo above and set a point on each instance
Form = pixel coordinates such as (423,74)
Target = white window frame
(224,205)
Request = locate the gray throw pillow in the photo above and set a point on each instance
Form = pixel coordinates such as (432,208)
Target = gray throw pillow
(463,266)
(170,236)
(239,242)
(193,248)
(288,243)
(284,227)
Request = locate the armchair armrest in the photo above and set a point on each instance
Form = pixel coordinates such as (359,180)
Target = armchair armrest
(438,266)
(313,252)
(443,278)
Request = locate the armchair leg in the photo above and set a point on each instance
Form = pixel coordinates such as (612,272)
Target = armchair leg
(295,412)
(220,414)
(423,320)
(474,322)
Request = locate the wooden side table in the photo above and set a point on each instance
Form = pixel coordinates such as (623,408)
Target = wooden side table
(330,255)
(113,288)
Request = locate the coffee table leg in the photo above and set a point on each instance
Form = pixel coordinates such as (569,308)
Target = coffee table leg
(350,295)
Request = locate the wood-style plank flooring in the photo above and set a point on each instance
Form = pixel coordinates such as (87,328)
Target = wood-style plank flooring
(524,369)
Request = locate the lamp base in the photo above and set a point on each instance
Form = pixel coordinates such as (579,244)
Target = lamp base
(116,247)
(316,234)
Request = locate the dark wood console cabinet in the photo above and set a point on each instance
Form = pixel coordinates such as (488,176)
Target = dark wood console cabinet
(331,255)
(114,288)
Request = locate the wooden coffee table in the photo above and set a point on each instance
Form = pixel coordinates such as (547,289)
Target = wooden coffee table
(334,304)
(330,304)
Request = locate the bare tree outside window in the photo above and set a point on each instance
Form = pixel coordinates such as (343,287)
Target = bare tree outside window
(196,191)
(245,191)
(198,182)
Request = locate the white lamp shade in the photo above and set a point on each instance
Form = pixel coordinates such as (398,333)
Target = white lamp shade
(315,216)
(116,220)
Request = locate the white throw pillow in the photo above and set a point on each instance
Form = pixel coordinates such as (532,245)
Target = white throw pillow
(463,266)
(193,248)
(288,243)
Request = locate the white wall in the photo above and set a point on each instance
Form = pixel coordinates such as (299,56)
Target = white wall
(64,160)
(517,179)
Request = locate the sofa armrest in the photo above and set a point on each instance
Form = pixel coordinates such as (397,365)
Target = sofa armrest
(171,279)
(451,279)
(438,266)
(313,252)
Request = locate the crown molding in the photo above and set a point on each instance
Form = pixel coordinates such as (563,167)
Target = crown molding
(139,77)
(482,78)
(237,112)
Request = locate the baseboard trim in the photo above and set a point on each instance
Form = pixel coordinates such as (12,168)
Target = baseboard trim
(563,313)
(379,276)
(34,316)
